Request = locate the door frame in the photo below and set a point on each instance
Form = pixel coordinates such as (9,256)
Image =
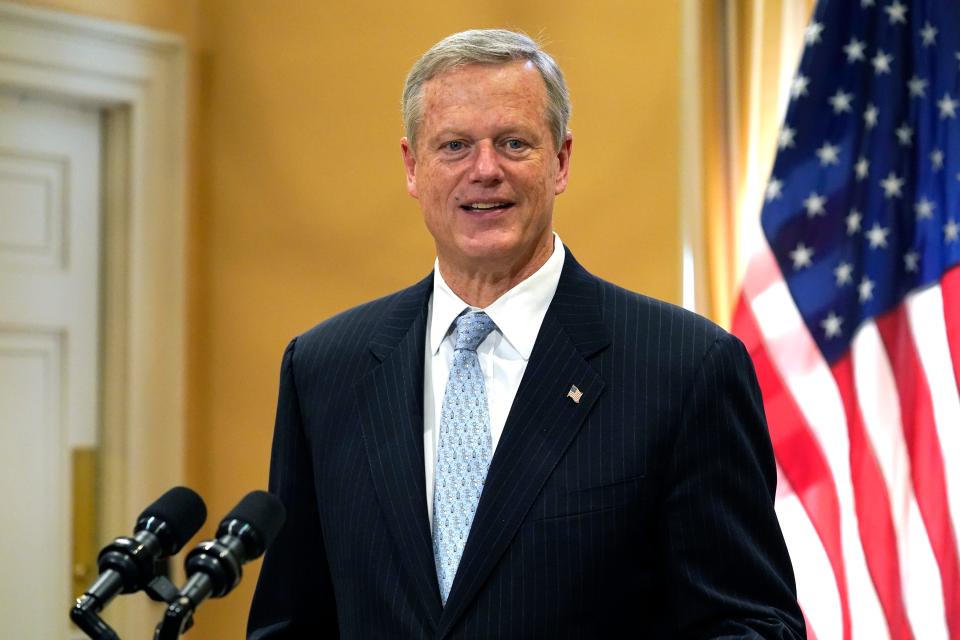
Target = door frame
(137,78)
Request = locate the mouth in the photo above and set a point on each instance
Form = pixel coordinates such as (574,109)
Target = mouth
(484,207)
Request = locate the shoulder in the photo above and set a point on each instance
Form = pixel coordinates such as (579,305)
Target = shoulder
(351,332)
(655,341)
(356,324)
(635,317)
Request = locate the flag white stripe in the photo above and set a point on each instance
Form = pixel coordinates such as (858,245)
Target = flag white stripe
(820,600)
(924,594)
(880,407)
(810,381)
(929,330)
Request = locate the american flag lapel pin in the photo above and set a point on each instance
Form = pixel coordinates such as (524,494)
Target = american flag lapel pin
(574,393)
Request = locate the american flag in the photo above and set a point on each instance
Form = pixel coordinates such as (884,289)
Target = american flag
(850,307)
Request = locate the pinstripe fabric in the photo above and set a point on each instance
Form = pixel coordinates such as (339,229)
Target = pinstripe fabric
(645,509)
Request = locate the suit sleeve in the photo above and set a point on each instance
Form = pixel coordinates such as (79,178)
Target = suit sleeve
(729,572)
(294,596)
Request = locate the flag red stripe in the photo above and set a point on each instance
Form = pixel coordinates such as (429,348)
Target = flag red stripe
(874,519)
(950,289)
(798,453)
(926,460)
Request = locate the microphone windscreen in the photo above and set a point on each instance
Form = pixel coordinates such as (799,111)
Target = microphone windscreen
(183,512)
(263,512)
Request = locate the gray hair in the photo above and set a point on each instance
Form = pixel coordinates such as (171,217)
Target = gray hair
(486,46)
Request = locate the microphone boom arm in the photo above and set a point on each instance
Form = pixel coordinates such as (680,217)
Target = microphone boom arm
(177,619)
(84,615)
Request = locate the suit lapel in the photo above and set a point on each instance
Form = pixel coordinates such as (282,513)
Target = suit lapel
(390,403)
(542,422)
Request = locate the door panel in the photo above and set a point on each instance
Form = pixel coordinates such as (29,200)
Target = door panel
(49,347)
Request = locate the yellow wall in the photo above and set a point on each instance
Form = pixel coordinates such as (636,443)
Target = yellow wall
(298,207)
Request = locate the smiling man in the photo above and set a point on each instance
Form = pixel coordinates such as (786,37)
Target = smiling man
(512,447)
(483,161)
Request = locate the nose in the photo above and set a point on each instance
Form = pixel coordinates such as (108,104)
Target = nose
(486,167)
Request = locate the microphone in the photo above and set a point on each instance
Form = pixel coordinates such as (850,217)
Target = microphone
(129,564)
(214,566)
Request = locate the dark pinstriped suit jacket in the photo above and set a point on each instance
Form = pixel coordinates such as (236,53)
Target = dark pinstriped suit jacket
(644,510)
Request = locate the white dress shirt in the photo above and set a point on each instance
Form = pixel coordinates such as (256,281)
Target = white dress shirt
(503,355)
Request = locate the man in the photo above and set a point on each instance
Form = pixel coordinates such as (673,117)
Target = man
(513,448)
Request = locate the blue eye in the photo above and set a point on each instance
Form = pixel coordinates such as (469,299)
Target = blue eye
(454,145)
(515,145)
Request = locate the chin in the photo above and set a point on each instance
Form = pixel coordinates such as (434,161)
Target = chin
(494,246)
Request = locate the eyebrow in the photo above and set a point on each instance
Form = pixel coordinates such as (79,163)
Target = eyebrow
(513,131)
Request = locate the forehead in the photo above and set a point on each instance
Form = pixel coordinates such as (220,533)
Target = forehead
(514,86)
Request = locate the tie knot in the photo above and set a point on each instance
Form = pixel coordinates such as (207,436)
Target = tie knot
(472,328)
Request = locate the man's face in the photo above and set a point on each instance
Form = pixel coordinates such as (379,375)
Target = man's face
(486,168)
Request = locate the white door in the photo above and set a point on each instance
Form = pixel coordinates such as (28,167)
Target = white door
(49,347)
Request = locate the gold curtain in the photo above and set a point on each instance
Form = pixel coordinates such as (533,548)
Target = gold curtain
(749,51)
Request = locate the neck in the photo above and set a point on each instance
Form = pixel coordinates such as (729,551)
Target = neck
(480,284)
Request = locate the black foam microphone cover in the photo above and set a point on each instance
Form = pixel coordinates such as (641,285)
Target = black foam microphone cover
(173,517)
(259,513)
(214,566)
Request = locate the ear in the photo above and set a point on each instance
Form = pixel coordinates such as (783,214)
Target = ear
(563,161)
(409,165)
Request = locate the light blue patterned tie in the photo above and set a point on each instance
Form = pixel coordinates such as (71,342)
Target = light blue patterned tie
(463,454)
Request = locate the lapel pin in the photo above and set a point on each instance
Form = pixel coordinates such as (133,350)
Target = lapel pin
(575,394)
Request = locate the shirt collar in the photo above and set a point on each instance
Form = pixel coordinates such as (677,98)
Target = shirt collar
(518,313)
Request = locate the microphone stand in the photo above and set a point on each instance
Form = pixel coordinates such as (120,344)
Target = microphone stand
(177,619)
(85,613)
